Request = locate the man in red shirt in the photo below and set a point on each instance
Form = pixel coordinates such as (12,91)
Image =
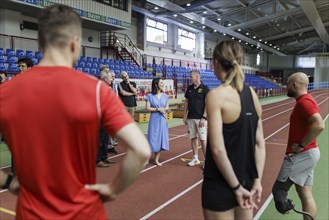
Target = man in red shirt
(302,153)
(50,118)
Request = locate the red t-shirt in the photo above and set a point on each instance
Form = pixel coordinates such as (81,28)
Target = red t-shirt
(305,107)
(50,118)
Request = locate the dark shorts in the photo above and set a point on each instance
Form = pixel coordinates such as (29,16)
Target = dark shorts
(218,196)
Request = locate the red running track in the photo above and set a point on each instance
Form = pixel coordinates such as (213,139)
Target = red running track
(173,191)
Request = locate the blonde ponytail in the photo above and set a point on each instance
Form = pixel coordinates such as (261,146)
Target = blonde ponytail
(236,77)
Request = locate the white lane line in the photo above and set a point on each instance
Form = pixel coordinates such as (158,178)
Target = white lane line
(171,200)
(264,206)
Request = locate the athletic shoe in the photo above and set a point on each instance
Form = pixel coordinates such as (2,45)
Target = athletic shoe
(193,162)
(108,161)
(112,150)
(114,142)
(102,164)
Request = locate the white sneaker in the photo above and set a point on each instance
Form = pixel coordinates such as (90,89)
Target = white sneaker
(193,162)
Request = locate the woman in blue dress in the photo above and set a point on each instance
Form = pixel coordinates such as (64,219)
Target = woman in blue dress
(157,105)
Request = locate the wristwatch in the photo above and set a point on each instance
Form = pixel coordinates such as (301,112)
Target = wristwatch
(300,145)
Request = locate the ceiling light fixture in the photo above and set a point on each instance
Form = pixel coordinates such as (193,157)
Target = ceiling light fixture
(203,27)
(239,29)
(188,4)
(205,12)
(175,15)
(247,33)
(156,8)
(218,19)
(229,25)
(191,22)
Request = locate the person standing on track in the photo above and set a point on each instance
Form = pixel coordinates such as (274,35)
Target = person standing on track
(157,104)
(302,152)
(52,125)
(235,155)
(195,116)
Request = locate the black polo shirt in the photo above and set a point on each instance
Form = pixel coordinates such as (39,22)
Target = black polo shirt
(129,101)
(196,100)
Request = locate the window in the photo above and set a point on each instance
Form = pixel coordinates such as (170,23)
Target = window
(186,39)
(305,62)
(119,4)
(258,60)
(156,31)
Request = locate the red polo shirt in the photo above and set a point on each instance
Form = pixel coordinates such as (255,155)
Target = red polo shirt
(305,107)
(50,118)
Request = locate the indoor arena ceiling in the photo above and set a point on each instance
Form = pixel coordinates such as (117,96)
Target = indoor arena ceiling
(281,27)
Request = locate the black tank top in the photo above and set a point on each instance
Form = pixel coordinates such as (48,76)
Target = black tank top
(240,140)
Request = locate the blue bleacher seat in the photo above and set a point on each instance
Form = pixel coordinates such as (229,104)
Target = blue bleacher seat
(86,70)
(10,52)
(82,58)
(2,52)
(3,67)
(93,71)
(29,54)
(88,65)
(11,59)
(38,55)
(95,60)
(20,56)
(94,65)
(88,59)
(106,61)
(12,68)
(79,69)
(20,53)
(35,61)
(2,59)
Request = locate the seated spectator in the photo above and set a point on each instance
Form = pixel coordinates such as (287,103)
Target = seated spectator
(24,64)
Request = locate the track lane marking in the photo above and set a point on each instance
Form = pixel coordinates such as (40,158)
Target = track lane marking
(7,211)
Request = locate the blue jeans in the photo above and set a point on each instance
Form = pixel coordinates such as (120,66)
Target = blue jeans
(102,147)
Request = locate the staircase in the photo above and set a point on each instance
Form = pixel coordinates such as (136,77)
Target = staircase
(122,45)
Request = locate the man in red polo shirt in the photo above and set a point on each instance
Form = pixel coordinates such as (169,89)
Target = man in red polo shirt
(50,118)
(302,153)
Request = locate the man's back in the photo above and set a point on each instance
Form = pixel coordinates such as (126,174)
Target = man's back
(50,117)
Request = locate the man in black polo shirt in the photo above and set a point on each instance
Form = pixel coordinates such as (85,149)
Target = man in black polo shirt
(195,115)
(127,92)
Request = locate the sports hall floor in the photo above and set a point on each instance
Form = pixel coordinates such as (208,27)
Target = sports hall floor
(173,191)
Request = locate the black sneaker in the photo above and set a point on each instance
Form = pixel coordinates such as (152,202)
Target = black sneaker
(112,150)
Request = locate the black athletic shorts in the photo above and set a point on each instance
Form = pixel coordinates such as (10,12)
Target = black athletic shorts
(218,196)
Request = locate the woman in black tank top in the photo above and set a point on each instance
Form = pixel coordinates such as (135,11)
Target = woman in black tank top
(235,154)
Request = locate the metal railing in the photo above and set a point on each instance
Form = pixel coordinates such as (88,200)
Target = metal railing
(122,44)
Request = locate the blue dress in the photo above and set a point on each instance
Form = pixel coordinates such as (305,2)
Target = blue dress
(157,133)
